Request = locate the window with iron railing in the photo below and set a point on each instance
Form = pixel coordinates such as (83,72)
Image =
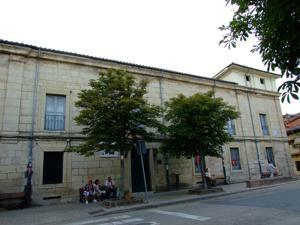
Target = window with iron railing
(264,124)
(55,112)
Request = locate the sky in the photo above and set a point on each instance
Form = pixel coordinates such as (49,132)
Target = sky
(170,34)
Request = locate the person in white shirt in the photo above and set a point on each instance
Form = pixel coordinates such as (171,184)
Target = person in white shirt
(210,181)
(99,190)
(271,169)
(110,188)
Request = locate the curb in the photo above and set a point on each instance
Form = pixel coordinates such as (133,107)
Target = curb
(204,197)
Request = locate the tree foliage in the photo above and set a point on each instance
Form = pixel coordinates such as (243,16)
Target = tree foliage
(197,125)
(276,26)
(114,114)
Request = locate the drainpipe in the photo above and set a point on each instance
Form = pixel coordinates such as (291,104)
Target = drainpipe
(255,137)
(166,158)
(243,132)
(282,136)
(34,104)
(223,163)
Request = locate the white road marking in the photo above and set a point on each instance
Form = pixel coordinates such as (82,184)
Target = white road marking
(183,215)
(101,220)
(123,221)
(132,220)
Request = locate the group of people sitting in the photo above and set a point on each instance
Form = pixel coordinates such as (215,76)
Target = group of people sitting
(96,191)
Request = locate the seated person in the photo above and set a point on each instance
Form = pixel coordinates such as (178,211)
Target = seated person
(99,190)
(210,181)
(110,188)
(89,192)
(272,169)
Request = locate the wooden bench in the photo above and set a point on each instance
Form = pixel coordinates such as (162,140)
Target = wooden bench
(216,180)
(220,179)
(12,200)
(12,196)
(90,198)
(268,174)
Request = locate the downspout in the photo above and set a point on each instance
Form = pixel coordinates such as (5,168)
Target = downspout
(282,136)
(223,163)
(34,104)
(255,137)
(243,133)
(166,158)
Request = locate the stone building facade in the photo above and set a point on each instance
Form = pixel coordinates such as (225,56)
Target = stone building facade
(38,89)
(292,125)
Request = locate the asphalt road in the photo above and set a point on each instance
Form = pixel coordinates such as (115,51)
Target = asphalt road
(279,205)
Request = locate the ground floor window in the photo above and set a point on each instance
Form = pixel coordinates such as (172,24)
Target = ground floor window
(197,164)
(298,165)
(235,159)
(270,155)
(53,167)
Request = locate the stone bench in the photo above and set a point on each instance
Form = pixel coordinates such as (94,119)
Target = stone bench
(268,181)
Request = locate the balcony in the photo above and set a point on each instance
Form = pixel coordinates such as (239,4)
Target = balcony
(54,122)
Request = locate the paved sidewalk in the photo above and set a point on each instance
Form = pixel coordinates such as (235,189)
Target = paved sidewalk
(64,213)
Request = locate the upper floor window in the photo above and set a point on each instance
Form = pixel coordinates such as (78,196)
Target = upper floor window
(262,81)
(264,124)
(247,78)
(235,159)
(55,112)
(231,127)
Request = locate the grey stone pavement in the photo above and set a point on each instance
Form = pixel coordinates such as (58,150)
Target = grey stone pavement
(61,213)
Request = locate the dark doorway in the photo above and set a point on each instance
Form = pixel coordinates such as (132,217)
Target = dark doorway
(137,178)
(53,167)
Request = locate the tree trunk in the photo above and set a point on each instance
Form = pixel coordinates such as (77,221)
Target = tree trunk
(122,175)
(203,171)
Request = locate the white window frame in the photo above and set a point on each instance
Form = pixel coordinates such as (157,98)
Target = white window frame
(63,114)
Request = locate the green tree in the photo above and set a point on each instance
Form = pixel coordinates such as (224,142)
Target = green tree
(197,126)
(276,26)
(114,115)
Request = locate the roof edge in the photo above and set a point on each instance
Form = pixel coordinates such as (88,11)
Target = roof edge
(232,65)
(5,42)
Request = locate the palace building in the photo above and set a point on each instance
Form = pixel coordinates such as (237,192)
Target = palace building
(38,89)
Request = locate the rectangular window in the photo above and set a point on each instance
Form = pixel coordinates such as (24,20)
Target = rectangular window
(197,164)
(53,167)
(270,155)
(247,78)
(55,112)
(235,159)
(262,81)
(231,127)
(264,124)
(298,165)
